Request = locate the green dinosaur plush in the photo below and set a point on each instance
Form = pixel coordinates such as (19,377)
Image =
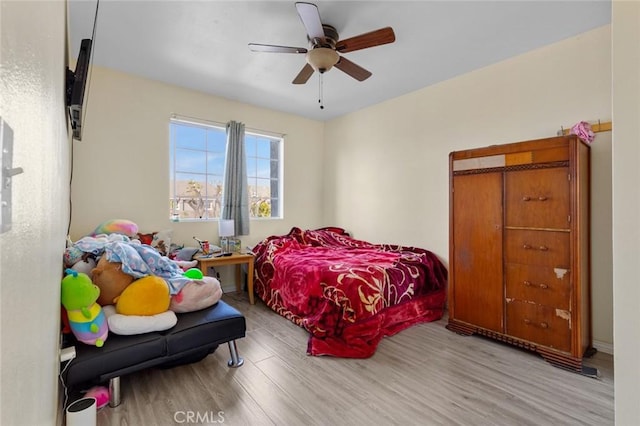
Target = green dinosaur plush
(86,319)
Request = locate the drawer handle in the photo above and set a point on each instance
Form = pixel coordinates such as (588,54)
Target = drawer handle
(528,247)
(544,325)
(527,321)
(528,284)
(540,198)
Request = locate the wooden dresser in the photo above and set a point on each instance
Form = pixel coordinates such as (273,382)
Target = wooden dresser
(519,246)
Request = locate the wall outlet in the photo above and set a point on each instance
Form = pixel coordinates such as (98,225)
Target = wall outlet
(67,354)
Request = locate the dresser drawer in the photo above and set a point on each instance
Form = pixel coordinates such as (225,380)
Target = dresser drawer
(539,324)
(538,198)
(543,285)
(546,248)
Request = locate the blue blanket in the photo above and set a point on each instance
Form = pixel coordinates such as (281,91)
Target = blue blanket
(138,260)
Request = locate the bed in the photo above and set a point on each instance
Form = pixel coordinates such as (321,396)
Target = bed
(348,293)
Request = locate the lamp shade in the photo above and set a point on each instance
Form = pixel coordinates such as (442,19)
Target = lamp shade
(226,228)
(322,59)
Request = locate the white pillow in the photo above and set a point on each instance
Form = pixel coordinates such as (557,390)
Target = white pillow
(138,324)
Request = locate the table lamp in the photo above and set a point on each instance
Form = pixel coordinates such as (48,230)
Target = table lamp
(226,229)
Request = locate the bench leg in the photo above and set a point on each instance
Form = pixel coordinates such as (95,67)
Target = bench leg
(114,392)
(235,360)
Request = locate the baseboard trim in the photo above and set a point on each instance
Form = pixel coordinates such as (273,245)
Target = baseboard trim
(607,348)
(228,289)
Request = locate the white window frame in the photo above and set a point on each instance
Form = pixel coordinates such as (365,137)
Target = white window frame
(276,181)
(211,198)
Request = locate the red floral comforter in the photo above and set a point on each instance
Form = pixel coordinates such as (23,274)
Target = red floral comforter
(348,293)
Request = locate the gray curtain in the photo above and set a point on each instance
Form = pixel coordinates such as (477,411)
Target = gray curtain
(235,202)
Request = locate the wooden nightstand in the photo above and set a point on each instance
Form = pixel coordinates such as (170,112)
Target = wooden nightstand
(237,259)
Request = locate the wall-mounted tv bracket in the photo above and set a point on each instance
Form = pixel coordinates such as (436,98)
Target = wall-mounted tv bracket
(8,172)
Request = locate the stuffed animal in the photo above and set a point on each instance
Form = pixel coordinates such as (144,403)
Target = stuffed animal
(197,294)
(186,265)
(84,265)
(145,296)
(194,273)
(72,255)
(108,276)
(116,226)
(127,325)
(100,393)
(146,238)
(86,319)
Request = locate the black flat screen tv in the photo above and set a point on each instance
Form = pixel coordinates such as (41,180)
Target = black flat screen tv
(76,84)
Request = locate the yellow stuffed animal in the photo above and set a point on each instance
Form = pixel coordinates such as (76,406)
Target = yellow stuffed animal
(145,297)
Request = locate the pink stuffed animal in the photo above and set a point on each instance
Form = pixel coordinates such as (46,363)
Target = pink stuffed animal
(100,393)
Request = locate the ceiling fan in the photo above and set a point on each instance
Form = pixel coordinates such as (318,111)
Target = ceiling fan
(325,46)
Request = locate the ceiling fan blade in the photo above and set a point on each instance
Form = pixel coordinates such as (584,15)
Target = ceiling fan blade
(303,75)
(355,71)
(370,39)
(276,49)
(310,17)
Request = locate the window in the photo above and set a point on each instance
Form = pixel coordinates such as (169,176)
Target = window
(263,173)
(197,157)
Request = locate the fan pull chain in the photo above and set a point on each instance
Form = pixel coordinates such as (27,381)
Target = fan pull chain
(320,94)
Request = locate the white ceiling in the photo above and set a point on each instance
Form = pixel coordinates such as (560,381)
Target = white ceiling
(202,45)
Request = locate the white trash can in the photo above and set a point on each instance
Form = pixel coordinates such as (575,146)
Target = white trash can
(82,412)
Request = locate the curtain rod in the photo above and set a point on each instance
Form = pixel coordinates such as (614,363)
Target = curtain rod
(219,124)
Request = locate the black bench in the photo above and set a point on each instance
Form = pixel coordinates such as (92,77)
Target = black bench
(196,335)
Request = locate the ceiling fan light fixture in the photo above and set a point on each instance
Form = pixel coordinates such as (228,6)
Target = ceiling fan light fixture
(322,59)
(325,47)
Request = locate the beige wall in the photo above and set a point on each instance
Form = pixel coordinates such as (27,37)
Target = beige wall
(32,63)
(626,207)
(121,165)
(386,176)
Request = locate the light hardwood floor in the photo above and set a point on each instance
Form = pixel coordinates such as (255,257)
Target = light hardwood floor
(425,375)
